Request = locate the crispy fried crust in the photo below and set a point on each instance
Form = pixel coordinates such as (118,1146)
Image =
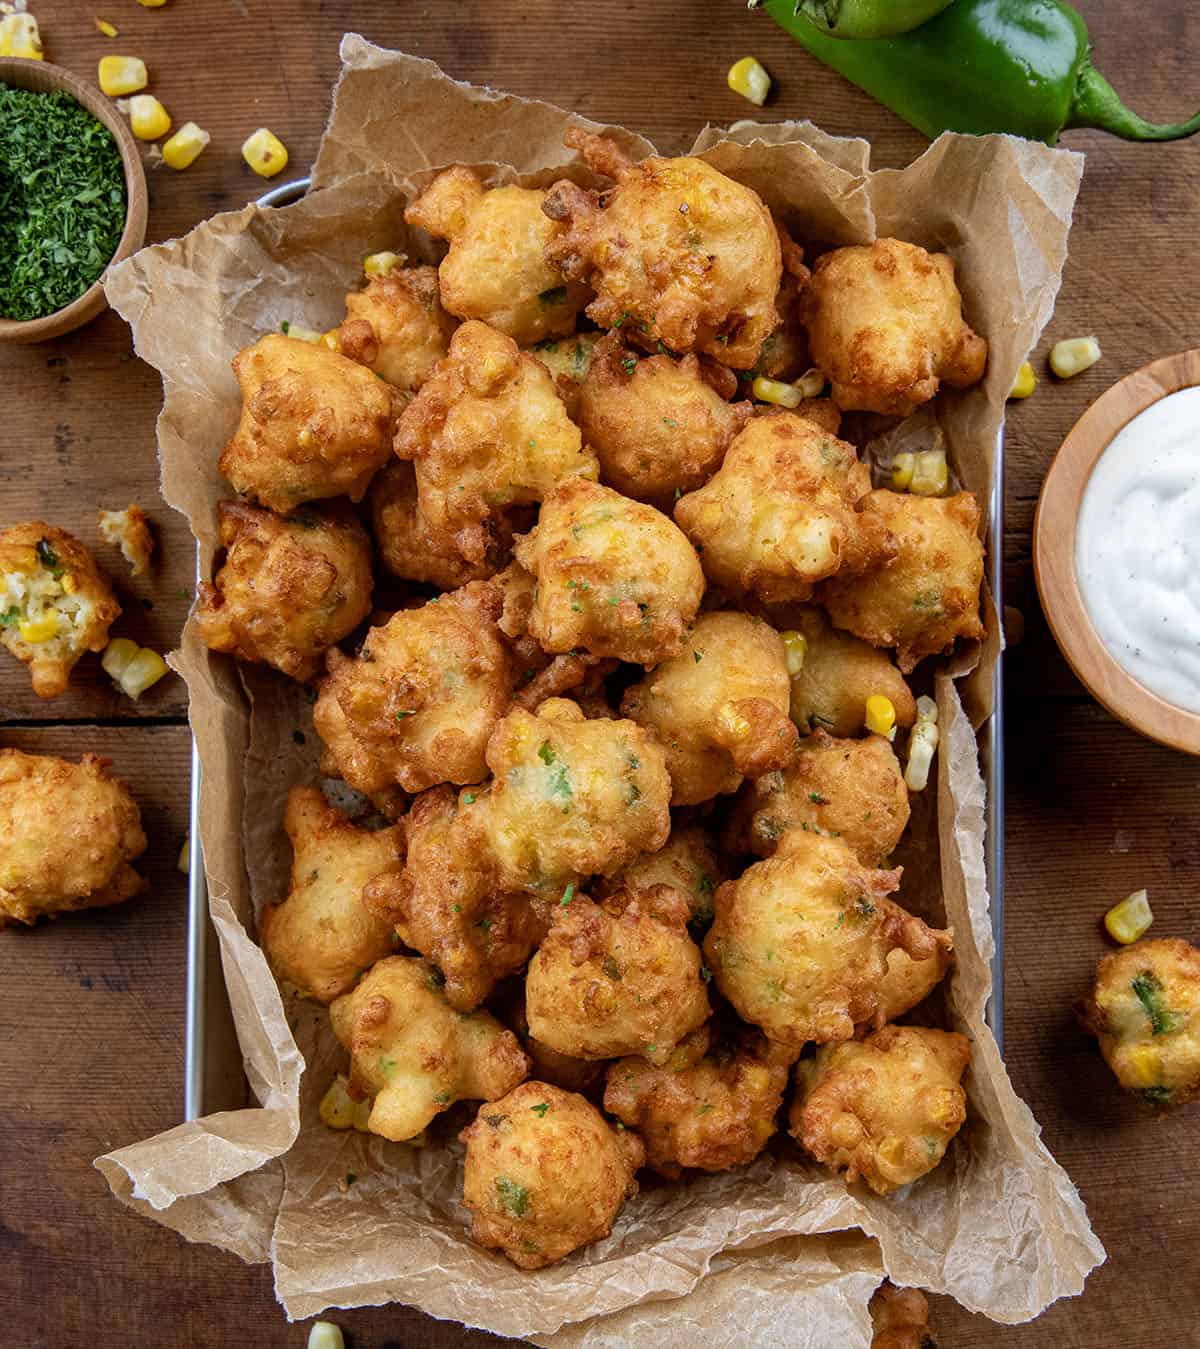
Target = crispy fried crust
(397,327)
(130,531)
(900,1318)
(687,862)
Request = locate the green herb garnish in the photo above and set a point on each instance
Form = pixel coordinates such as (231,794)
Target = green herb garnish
(541,1108)
(48,558)
(513,1198)
(568,895)
(1149,994)
(9,617)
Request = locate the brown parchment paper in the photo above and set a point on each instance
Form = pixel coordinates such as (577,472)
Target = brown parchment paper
(776,1252)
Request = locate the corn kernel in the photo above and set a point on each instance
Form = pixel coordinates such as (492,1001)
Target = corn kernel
(117,655)
(775,391)
(107,29)
(1073,356)
(1128,920)
(325,1335)
(795,647)
(926,709)
(148,119)
(69,584)
(930,475)
(381,264)
(265,153)
(902,471)
(19,36)
(185,145)
(337,1106)
(152,4)
(748,78)
(332,339)
(144,669)
(732,723)
(1145,1063)
(119,75)
(1025,382)
(35,630)
(184,861)
(922,745)
(881,715)
(811,384)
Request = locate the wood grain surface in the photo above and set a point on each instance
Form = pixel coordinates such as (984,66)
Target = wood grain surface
(91,1008)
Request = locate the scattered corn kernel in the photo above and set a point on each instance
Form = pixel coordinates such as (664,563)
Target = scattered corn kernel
(107,29)
(325,1335)
(132,668)
(42,629)
(732,723)
(340,1110)
(748,78)
(811,384)
(1128,920)
(795,646)
(185,145)
(184,861)
(265,153)
(380,264)
(775,391)
(119,75)
(19,36)
(922,745)
(1073,356)
(902,471)
(1025,382)
(332,339)
(148,119)
(117,655)
(1145,1063)
(930,475)
(152,4)
(299,332)
(881,715)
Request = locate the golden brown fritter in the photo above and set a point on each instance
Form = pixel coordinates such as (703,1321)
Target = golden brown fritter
(687,862)
(314,424)
(545,1173)
(397,327)
(848,789)
(487,431)
(883,1109)
(711,1106)
(413,549)
(445,902)
(416,706)
(614,576)
(839,674)
(908,982)
(885,325)
(571,797)
(781,513)
(657,425)
(585,1076)
(678,254)
(290,586)
(720,707)
(129,530)
(69,832)
(496,269)
(785,354)
(568,360)
(54,603)
(799,942)
(900,1318)
(322,936)
(927,594)
(414,1054)
(621,977)
(1145,1011)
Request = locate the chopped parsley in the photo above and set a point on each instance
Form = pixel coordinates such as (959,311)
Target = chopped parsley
(9,616)
(671,422)
(540,1108)
(484,924)
(442,1098)
(546,752)
(706,974)
(468,798)
(705,1108)
(611,968)
(48,558)
(1157,1095)
(629,364)
(568,895)
(697,656)
(817,799)
(514,1198)
(406,712)
(1149,993)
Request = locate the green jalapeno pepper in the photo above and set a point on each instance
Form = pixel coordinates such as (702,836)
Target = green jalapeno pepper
(856,19)
(1021,66)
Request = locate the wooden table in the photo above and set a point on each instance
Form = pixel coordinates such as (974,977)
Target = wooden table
(91,1008)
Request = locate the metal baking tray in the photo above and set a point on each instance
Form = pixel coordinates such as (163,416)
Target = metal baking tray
(213,1079)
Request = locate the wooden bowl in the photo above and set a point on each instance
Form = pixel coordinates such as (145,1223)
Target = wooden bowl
(1054,553)
(41,77)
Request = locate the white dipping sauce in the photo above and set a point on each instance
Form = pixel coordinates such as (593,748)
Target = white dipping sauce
(1137,548)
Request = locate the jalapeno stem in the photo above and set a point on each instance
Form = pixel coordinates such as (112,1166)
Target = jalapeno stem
(1097,104)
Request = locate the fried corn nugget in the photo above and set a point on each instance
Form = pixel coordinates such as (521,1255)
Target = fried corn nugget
(290,587)
(799,942)
(322,936)
(572,797)
(414,1054)
(900,1318)
(416,706)
(568,359)
(883,1109)
(415,550)
(548,1065)
(785,354)
(614,576)
(70,832)
(837,677)
(397,327)
(545,1173)
(781,512)
(908,982)
(314,424)
(1145,1011)
(55,604)
(129,530)
(927,595)
(486,432)
(720,707)
(885,326)
(445,902)
(712,1106)
(622,977)
(848,789)
(496,269)
(657,425)
(679,253)
(687,862)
